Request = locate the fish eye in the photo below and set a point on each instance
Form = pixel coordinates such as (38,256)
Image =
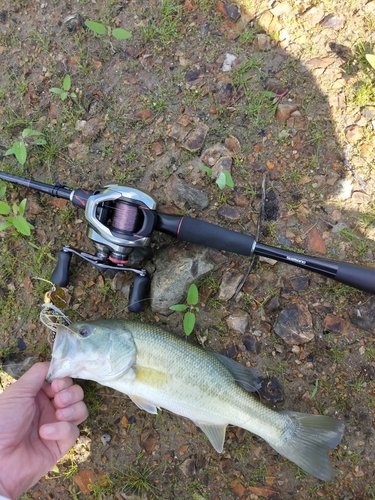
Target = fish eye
(83,332)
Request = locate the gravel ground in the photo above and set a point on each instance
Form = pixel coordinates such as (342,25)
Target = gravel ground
(280,91)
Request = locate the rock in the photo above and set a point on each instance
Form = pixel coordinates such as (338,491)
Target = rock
(184,194)
(106,438)
(240,200)
(369,8)
(363,315)
(332,21)
(78,151)
(177,267)
(73,22)
(360,198)
(272,304)
(284,112)
(188,467)
(143,115)
(282,9)
(319,62)
(229,213)
(368,112)
(211,155)
(238,321)
(344,189)
(262,42)
(354,133)
(251,344)
(157,148)
(335,324)
(225,94)
(195,139)
(223,163)
(300,283)
(294,324)
(227,64)
(313,16)
(229,284)
(231,351)
(237,488)
(149,438)
(315,242)
(191,76)
(233,144)
(92,127)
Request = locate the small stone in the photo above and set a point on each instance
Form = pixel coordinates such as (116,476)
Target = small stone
(191,76)
(225,94)
(251,344)
(211,155)
(21,344)
(157,148)
(227,64)
(240,200)
(344,189)
(196,137)
(264,491)
(272,304)
(300,283)
(368,112)
(294,324)
(360,197)
(316,242)
(73,22)
(84,479)
(184,194)
(313,16)
(363,315)
(334,22)
(238,321)
(105,438)
(223,163)
(282,9)
(144,115)
(229,213)
(335,324)
(149,438)
(354,133)
(237,488)
(229,284)
(233,144)
(188,467)
(284,111)
(262,42)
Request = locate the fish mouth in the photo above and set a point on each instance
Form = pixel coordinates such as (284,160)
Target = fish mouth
(64,347)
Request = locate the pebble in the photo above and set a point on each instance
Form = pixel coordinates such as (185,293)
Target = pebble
(239,321)
(184,195)
(315,242)
(229,284)
(363,315)
(262,42)
(334,22)
(227,64)
(105,438)
(229,213)
(294,324)
(354,133)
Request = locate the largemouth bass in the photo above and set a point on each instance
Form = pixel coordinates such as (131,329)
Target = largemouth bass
(159,370)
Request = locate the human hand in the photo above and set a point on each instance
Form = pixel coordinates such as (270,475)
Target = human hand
(38,426)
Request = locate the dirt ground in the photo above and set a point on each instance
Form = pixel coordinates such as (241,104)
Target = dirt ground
(298,102)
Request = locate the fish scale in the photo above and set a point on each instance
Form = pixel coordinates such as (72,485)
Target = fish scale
(159,370)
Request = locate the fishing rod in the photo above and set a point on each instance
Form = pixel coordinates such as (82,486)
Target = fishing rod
(121,221)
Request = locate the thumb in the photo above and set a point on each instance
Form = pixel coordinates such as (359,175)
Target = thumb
(32,381)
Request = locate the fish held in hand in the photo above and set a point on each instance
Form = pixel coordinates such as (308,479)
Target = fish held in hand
(159,370)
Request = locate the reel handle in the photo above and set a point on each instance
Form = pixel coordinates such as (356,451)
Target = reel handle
(60,275)
(138,293)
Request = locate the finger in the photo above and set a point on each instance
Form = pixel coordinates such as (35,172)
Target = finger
(69,396)
(65,433)
(60,384)
(75,413)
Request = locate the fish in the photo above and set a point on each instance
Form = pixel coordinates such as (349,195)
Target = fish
(158,369)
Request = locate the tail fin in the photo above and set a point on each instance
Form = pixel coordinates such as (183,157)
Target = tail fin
(308,440)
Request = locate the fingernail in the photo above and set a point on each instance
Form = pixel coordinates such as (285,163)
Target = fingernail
(49,429)
(67,412)
(66,397)
(61,384)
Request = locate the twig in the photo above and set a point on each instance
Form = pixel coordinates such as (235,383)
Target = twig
(259,224)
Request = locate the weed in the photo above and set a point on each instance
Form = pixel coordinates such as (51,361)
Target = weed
(223,180)
(14,216)
(64,92)
(19,147)
(190,308)
(101,29)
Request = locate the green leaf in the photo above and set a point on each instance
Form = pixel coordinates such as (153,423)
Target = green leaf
(3,190)
(178,307)
(15,208)
(9,151)
(64,95)
(192,296)
(66,83)
(221,181)
(313,394)
(121,34)
(189,322)
(4,225)
(55,90)
(228,179)
(371,59)
(268,93)
(73,95)
(29,131)
(55,469)
(19,150)
(21,224)
(4,208)
(98,28)
(40,142)
(206,169)
(22,206)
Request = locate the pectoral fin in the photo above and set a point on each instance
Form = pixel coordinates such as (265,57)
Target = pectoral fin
(143,404)
(243,376)
(215,433)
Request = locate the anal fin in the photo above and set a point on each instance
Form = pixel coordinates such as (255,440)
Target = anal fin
(215,433)
(143,404)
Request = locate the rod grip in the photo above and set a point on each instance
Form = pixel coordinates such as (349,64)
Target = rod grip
(60,275)
(362,278)
(209,235)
